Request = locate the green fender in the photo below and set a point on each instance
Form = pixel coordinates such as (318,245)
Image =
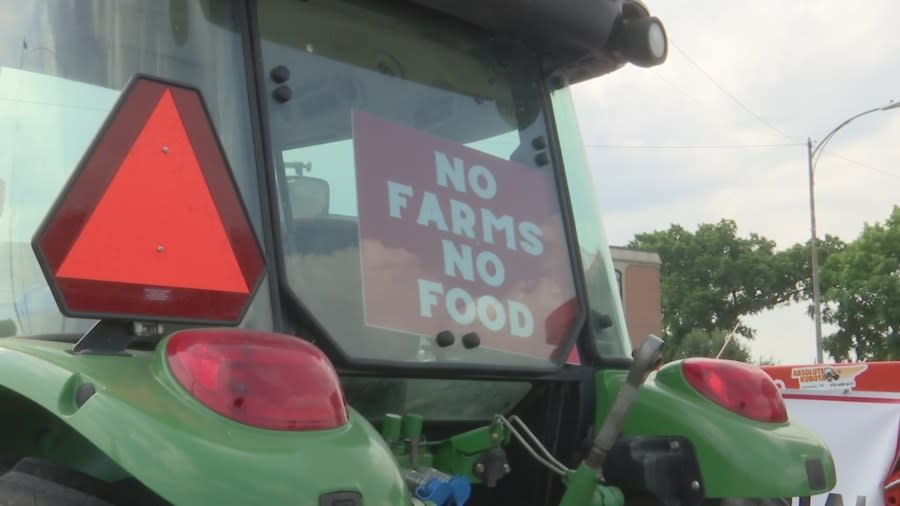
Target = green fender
(739,457)
(152,429)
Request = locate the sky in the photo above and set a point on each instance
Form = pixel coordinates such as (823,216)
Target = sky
(719,131)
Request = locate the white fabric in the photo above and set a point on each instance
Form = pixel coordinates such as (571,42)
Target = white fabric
(862,437)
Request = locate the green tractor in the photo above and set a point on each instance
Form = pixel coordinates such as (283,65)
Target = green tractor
(339,253)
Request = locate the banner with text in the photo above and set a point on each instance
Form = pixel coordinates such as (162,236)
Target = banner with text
(855,409)
(455,239)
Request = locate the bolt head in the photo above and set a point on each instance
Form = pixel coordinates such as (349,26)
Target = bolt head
(471,340)
(674,445)
(165,150)
(445,338)
(282,94)
(695,485)
(280,74)
(479,468)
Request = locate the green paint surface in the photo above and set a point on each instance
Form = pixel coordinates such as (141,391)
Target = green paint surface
(738,457)
(154,430)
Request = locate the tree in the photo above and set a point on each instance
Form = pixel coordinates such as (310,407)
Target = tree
(862,291)
(711,278)
(700,343)
(799,259)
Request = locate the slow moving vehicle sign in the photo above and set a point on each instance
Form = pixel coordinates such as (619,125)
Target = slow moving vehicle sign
(151,225)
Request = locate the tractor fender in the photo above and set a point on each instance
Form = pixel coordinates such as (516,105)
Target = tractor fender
(121,416)
(738,456)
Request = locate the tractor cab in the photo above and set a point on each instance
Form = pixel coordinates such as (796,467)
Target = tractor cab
(339,252)
(419,191)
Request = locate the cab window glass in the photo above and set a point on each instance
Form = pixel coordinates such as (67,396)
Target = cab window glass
(606,321)
(417,195)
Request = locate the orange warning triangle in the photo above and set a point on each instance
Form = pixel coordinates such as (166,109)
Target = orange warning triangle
(156,224)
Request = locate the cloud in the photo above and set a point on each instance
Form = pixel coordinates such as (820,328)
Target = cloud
(801,67)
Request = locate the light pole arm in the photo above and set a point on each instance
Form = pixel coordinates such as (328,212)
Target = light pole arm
(815,152)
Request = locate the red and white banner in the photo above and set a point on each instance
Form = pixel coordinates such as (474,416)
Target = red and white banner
(855,409)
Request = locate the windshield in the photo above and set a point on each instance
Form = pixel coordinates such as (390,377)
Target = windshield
(417,194)
(62,67)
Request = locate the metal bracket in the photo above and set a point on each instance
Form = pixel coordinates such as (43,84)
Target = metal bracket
(106,337)
(665,467)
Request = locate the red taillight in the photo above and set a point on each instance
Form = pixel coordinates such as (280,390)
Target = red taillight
(742,388)
(266,380)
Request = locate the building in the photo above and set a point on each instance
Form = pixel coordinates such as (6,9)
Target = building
(637,273)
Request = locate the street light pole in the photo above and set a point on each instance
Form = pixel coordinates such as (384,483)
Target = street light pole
(813,155)
(817,302)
